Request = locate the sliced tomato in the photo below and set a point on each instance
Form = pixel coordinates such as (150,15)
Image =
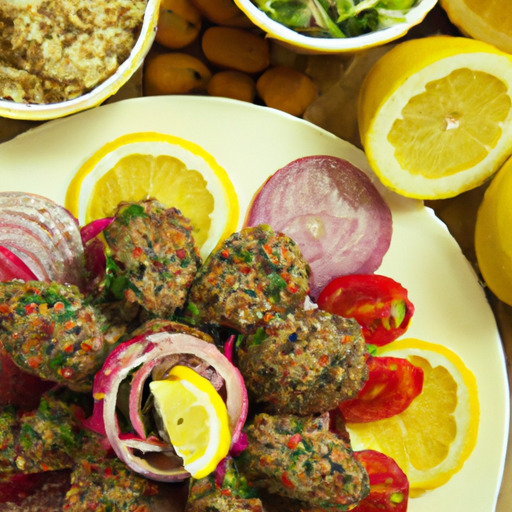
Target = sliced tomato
(393,383)
(378,303)
(389,486)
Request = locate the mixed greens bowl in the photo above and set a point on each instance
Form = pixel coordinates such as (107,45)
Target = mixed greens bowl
(335,26)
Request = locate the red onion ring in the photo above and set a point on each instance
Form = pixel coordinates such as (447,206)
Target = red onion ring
(13,267)
(142,354)
(43,235)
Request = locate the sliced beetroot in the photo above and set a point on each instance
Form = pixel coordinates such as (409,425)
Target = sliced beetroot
(333,212)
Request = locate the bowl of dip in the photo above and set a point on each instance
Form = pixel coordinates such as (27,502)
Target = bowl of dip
(348,26)
(60,57)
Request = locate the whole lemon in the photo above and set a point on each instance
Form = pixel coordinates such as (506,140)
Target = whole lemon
(493,234)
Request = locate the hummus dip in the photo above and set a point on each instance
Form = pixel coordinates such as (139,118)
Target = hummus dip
(56,50)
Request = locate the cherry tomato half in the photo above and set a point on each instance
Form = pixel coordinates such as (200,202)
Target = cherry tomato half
(389,486)
(378,303)
(393,383)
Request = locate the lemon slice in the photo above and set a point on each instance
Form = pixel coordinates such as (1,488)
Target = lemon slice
(435,435)
(488,21)
(177,172)
(195,417)
(435,115)
(493,237)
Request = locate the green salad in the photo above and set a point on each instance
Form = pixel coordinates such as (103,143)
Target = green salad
(336,18)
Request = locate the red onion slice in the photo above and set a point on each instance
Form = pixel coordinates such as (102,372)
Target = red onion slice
(137,358)
(43,235)
(13,267)
(332,210)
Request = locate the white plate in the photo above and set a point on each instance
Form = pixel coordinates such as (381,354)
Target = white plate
(251,143)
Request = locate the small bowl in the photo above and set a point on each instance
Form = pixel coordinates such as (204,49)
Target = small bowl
(107,88)
(308,44)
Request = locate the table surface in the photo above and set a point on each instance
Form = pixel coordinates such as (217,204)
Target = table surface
(338,79)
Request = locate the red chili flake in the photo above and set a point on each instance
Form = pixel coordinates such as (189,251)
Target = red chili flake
(294,441)
(181,253)
(86,347)
(44,467)
(58,307)
(324,359)
(267,317)
(68,348)
(225,492)
(245,270)
(67,372)
(225,253)
(108,472)
(293,288)
(286,481)
(31,308)
(69,325)
(35,361)
(5,309)
(137,252)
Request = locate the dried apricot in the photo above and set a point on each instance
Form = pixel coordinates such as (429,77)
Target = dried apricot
(232,84)
(236,48)
(175,73)
(286,89)
(223,12)
(179,23)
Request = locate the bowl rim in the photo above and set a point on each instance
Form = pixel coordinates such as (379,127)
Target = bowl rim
(276,30)
(107,88)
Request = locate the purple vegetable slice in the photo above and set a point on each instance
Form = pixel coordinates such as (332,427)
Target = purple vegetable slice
(332,210)
(134,362)
(43,235)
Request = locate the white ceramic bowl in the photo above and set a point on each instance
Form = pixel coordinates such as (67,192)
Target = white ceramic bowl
(41,112)
(309,44)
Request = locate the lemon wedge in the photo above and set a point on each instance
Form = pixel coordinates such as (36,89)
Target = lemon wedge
(175,171)
(435,115)
(195,418)
(488,21)
(435,435)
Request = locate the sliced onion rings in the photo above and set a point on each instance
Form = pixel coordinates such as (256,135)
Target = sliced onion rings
(136,358)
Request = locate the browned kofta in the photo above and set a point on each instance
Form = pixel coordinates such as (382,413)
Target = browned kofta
(305,363)
(152,256)
(50,331)
(299,458)
(255,275)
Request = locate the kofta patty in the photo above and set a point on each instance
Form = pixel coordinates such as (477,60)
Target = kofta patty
(305,363)
(254,275)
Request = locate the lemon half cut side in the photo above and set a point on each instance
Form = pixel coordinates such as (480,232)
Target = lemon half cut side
(435,115)
(432,439)
(195,418)
(175,171)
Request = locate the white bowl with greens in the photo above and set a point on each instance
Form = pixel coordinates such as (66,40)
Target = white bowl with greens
(335,26)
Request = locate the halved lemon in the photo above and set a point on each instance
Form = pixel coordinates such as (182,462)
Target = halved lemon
(195,417)
(493,236)
(434,436)
(435,115)
(177,172)
(488,21)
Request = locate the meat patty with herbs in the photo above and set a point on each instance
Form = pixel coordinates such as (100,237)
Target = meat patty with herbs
(299,458)
(152,257)
(305,363)
(256,274)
